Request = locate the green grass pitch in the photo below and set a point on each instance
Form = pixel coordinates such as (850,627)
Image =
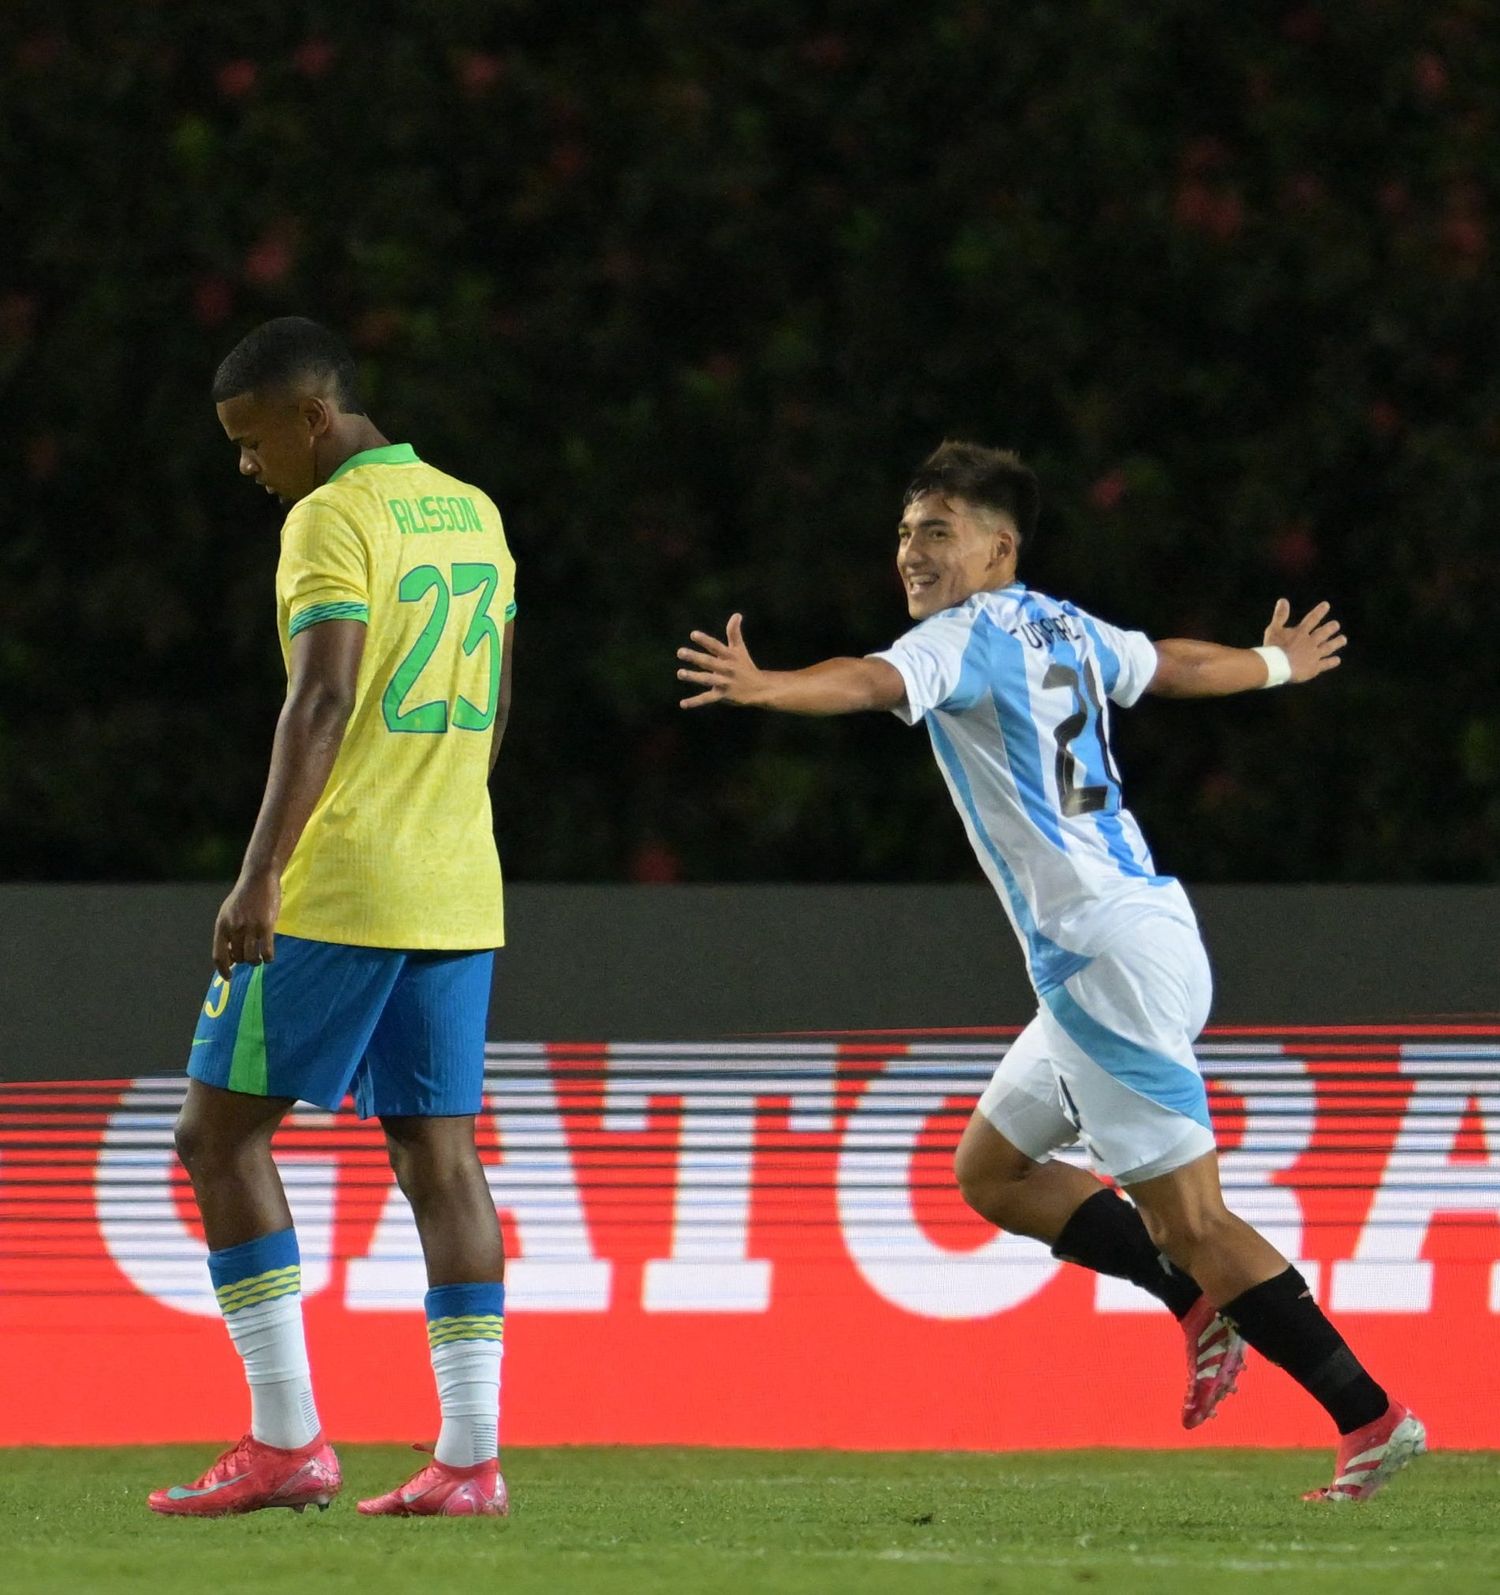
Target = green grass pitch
(615,1520)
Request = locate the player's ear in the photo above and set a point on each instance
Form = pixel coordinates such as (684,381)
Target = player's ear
(316,414)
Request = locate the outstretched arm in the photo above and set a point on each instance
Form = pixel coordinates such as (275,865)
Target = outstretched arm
(728,674)
(1186,669)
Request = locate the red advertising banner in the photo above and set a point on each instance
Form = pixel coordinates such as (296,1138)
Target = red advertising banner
(760,1244)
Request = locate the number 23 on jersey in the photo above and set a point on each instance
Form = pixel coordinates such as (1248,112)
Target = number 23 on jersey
(417,585)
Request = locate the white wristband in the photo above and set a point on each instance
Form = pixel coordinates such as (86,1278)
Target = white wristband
(1278,666)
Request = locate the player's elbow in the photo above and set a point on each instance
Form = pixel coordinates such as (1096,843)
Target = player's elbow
(1175,677)
(324,707)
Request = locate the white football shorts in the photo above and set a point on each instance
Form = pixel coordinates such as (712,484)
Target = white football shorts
(1108,1060)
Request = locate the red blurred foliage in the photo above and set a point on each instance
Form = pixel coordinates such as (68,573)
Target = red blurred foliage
(1443,368)
(654,863)
(43,456)
(685,95)
(1293,549)
(272,256)
(39,52)
(1205,154)
(1108,491)
(375,328)
(213,301)
(620,266)
(1303,26)
(1395,198)
(236,78)
(568,160)
(1385,419)
(1219,789)
(313,57)
(1305,192)
(1465,237)
(828,51)
(17,318)
(1430,75)
(478,71)
(1217,213)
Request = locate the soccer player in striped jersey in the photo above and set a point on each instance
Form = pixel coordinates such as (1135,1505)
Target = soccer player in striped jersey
(1015,690)
(355,951)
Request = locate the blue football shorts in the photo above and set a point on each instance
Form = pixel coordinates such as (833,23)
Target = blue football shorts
(404,1030)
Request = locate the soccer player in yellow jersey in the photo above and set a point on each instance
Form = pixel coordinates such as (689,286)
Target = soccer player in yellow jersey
(355,951)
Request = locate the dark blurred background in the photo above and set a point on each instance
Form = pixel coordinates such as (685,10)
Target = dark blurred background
(689,286)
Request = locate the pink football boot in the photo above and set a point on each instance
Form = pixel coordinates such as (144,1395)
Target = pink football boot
(442,1491)
(251,1476)
(1370,1457)
(1215,1355)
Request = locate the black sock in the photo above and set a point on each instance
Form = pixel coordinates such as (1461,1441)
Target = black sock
(1108,1235)
(1284,1324)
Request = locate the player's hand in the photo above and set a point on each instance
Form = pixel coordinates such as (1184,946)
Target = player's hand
(724,670)
(245,931)
(1312,646)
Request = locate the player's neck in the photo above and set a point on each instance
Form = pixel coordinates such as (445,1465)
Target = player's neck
(998,582)
(350,435)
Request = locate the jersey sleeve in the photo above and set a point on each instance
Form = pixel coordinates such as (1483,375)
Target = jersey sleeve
(930,659)
(506,564)
(324,569)
(1127,659)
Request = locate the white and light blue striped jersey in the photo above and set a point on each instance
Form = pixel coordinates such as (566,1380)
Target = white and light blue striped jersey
(1015,690)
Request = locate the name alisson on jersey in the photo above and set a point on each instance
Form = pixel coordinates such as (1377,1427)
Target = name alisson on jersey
(434,514)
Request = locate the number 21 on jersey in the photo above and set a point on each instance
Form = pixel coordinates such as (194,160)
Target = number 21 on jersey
(1088,716)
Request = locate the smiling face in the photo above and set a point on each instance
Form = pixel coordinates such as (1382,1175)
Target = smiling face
(948,550)
(277,435)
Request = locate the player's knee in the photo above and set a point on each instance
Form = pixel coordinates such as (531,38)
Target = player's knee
(187,1138)
(200,1149)
(408,1167)
(431,1174)
(208,1147)
(993,1192)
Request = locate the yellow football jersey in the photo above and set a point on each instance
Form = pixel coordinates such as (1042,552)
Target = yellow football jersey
(400,851)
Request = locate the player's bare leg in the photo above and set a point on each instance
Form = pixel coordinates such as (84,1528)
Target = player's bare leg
(1015,1192)
(437,1166)
(1082,1221)
(224,1142)
(1186,1216)
(1270,1304)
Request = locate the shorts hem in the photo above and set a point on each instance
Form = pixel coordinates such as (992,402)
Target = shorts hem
(481,944)
(442,1111)
(1188,1150)
(1037,1152)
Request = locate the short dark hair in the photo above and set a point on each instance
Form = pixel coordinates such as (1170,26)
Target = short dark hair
(994,479)
(285,351)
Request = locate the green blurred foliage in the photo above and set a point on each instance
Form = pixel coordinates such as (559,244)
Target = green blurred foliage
(689,286)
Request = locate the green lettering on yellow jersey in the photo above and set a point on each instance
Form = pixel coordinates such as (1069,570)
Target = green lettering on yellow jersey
(400,850)
(434,513)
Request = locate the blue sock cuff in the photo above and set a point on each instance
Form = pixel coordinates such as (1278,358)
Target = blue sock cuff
(464,1301)
(235,1263)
